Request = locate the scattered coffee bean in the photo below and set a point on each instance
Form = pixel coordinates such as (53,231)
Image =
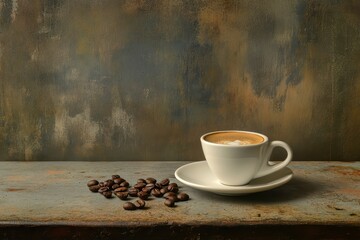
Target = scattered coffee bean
(125,184)
(183,196)
(169,203)
(129,206)
(139,186)
(115,176)
(173,184)
(147,190)
(108,183)
(107,194)
(143,195)
(133,192)
(169,194)
(150,185)
(142,189)
(165,182)
(139,203)
(92,183)
(156,193)
(173,189)
(121,189)
(141,180)
(173,198)
(103,189)
(119,180)
(94,188)
(150,180)
(164,190)
(122,195)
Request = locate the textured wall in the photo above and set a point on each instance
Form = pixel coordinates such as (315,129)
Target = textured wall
(142,80)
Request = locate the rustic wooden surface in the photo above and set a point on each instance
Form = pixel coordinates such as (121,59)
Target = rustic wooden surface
(52,199)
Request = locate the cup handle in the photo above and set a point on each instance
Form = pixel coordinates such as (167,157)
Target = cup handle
(268,168)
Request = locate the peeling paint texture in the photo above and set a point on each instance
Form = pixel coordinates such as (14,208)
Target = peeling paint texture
(143,80)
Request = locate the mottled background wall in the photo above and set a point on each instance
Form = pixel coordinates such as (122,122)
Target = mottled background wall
(142,80)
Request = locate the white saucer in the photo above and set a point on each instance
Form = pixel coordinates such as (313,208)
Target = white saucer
(199,176)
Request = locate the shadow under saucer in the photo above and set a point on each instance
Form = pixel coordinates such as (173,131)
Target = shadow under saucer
(297,188)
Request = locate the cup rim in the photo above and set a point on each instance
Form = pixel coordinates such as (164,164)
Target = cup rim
(202,139)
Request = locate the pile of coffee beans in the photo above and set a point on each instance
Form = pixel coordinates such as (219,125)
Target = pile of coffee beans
(143,189)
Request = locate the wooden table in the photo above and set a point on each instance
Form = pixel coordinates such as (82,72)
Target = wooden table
(50,200)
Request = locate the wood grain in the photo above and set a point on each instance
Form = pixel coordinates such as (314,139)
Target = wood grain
(50,200)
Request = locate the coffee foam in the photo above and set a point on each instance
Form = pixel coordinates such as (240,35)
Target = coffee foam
(235,143)
(234,138)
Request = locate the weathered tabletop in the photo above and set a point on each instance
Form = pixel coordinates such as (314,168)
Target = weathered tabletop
(51,200)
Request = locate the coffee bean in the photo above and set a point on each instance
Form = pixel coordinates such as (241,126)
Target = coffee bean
(173,188)
(150,185)
(169,194)
(165,182)
(115,186)
(173,185)
(173,198)
(133,192)
(129,206)
(164,190)
(183,196)
(150,180)
(139,203)
(142,189)
(141,180)
(94,188)
(107,194)
(92,183)
(115,176)
(124,184)
(122,195)
(169,203)
(121,189)
(119,180)
(156,193)
(108,183)
(139,186)
(143,195)
(147,190)
(103,189)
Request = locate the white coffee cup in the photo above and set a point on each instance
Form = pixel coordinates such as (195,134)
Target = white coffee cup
(237,157)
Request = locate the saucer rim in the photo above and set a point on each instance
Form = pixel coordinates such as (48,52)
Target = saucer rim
(237,190)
